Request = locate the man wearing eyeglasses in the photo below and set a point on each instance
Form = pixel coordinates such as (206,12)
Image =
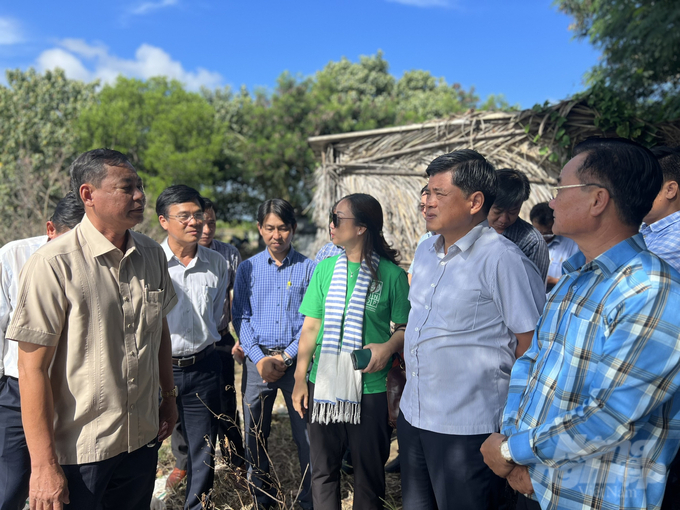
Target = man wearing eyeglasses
(200,277)
(591,420)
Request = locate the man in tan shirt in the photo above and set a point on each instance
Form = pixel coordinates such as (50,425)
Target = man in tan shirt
(94,349)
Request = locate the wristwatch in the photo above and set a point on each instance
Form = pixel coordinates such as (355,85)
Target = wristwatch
(170,394)
(287,360)
(505,452)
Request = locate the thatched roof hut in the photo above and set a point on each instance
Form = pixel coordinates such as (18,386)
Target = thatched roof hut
(390,163)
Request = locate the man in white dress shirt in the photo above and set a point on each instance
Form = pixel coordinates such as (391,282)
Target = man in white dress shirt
(200,277)
(15,463)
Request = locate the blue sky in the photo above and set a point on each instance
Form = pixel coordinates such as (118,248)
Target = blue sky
(520,48)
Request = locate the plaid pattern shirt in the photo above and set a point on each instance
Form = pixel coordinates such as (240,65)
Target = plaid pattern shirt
(267,300)
(591,408)
(663,238)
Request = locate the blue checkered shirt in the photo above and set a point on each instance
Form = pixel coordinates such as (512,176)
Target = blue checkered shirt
(328,250)
(591,408)
(663,238)
(267,298)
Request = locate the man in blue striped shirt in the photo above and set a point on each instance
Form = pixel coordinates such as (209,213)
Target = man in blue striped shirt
(591,419)
(267,295)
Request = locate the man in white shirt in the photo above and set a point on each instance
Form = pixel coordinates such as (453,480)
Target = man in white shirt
(15,463)
(200,277)
(560,248)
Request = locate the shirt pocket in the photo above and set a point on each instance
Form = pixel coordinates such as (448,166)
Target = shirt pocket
(153,302)
(207,299)
(458,313)
(295,295)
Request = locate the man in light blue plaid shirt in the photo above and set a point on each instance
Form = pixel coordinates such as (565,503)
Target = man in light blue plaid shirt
(592,419)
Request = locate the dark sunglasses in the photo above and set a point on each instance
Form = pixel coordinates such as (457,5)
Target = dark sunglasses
(335,220)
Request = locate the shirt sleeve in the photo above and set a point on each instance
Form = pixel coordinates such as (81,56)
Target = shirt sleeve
(518,291)
(241,313)
(292,348)
(400,305)
(40,288)
(314,301)
(637,372)
(222,286)
(169,294)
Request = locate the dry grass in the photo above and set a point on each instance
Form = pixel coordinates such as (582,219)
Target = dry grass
(283,455)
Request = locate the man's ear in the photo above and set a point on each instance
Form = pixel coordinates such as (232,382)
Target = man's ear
(86,191)
(476,202)
(670,189)
(163,221)
(600,200)
(51,230)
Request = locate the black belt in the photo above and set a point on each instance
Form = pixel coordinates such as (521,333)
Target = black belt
(191,360)
(271,352)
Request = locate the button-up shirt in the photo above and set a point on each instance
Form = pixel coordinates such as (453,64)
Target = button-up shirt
(590,409)
(267,298)
(233,258)
(103,310)
(13,256)
(460,345)
(532,244)
(663,238)
(201,288)
(561,249)
(328,250)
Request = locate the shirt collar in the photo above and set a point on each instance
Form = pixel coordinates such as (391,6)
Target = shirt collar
(288,260)
(99,244)
(663,223)
(200,253)
(611,260)
(464,243)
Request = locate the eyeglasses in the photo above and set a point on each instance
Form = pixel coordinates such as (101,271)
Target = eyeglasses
(335,219)
(556,189)
(185,218)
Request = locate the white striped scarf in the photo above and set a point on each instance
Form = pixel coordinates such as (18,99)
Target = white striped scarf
(338,388)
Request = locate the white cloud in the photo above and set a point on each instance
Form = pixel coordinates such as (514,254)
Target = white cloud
(87,62)
(148,7)
(10,32)
(423,3)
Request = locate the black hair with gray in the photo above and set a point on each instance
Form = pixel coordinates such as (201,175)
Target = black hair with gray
(669,159)
(68,213)
(91,167)
(513,189)
(208,204)
(542,214)
(178,194)
(279,207)
(471,172)
(629,171)
(368,213)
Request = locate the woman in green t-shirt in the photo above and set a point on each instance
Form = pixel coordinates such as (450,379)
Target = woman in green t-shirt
(350,304)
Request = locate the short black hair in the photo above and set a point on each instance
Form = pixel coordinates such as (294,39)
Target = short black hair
(513,188)
(277,206)
(90,167)
(628,170)
(68,213)
(471,172)
(425,190)
(669,159)
(542,214)
(178,194)
(208,204)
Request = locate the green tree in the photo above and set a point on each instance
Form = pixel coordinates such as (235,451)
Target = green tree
(168,132)
(38,115)
(639,40)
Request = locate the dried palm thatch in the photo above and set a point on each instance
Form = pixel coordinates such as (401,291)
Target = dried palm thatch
(390,163)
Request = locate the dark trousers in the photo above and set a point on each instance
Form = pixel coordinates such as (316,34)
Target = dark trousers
(671,497)
(258,401)
(524,503)
(228,426)
(15,463)
(445,471)
(124,481)
(369,443)
(198,399)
